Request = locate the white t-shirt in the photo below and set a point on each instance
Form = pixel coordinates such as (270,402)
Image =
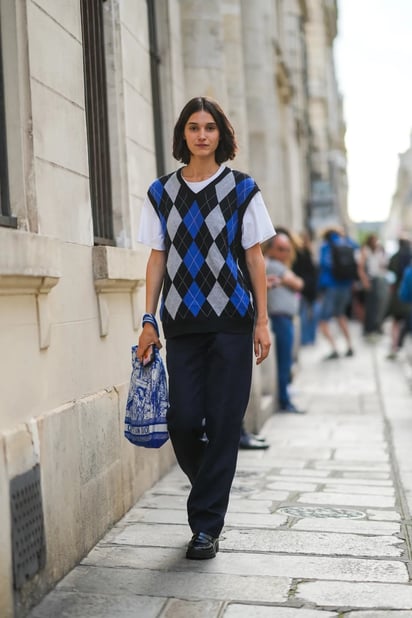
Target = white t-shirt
(256,226)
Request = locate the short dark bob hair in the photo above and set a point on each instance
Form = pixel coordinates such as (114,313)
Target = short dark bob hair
(227,143)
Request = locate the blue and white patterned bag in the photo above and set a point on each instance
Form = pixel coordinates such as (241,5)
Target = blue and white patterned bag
(147,403)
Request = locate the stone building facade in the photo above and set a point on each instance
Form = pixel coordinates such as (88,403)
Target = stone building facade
(89,93)
(328,180)
(400,216)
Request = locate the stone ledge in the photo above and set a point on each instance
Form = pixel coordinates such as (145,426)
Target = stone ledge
(117,270)
(30,264)
(29,255)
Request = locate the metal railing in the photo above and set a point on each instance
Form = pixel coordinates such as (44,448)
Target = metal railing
(6,218)
(97,121)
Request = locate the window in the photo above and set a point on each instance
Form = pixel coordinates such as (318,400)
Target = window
(97,120)
(5,215)
(155,79)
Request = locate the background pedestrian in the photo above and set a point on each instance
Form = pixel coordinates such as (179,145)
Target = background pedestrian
(373,275)
(283,305)
(335,289)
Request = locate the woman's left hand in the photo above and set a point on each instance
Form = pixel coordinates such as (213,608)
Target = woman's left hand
(261,342)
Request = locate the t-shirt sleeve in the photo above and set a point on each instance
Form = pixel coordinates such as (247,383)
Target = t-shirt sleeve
(274,267)
(150,229)
(257,226)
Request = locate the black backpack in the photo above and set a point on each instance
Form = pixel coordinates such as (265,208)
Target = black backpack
(344,265)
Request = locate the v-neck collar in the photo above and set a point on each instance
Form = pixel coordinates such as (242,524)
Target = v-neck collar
(218,175)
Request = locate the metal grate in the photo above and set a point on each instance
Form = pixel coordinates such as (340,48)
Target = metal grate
(155,62)
(321,511)
(5,215)
(97,120)
(28,540)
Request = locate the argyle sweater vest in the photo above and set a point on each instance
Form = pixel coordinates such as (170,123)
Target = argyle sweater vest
(205,287)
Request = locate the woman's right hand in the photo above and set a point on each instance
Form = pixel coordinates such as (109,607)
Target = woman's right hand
(273,281)
(148,336)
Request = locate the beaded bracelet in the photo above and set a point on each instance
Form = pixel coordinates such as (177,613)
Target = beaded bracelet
(149,318)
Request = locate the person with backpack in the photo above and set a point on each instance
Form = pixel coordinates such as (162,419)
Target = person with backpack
(338,269)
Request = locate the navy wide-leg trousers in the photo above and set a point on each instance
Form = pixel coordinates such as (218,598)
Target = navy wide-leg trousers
(209,387)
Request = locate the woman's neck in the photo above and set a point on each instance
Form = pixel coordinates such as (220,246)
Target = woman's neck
(196,171)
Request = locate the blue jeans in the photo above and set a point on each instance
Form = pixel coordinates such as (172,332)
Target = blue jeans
(309,317)
(282,327)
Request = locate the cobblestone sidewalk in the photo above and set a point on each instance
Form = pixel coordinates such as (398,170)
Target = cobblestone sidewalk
(318,526)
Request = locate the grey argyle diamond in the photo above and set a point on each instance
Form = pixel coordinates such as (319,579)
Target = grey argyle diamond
(217,298)
(173,262)
(173,222)
(172,187)
(215,260)
(173,301)
(225,186)
(215,222)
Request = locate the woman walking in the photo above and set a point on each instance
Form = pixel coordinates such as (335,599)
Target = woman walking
(204,224)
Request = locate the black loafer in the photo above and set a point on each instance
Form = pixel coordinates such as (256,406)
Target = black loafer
(250,442)
(290,408)
(202,547)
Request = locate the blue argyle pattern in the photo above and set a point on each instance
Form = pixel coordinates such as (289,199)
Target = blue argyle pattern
(204,287)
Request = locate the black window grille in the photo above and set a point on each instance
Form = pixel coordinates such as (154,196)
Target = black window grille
(97,120)
(5,214)
(156,93)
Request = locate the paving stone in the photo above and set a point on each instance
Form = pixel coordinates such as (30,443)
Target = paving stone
(365,475)
(356,482)
(307,452)
(178,608)
(354,595)
(274,496)
(67,604)
(361,454)
(153,535)
(355,489)
(169,491)
(383,515)
(372,434)
(359,526)
(347,499)
(175,584)
(262,565)
(244,485)
(291,485)
(242,505)
(160,516)
(297,511)
(352,466)
(380,614)
(235,610)
(170,486)
(243,520)
(163,502)
(153,558)
(311,543)
(274,462)
(308,472)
